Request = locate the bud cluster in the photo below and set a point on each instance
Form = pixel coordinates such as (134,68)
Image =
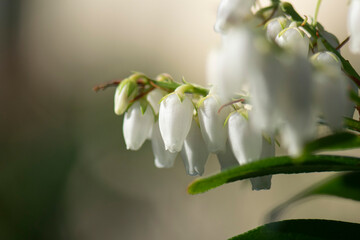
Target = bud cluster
(273,78)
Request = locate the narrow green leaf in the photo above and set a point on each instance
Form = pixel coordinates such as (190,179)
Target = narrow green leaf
(276,165)
(344,185)
(338,141)
(303,229)
(355,97)
(352,124)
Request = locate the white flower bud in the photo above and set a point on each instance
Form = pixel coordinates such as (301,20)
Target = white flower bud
(212,123)
(175,118)
(194,152)
(275,26)
(266,83)
(245,142)
(236,56)
(137,125)
(232,12)
(163,158)
(354,25)
(294,40)
(227,159)
(125,92)
(295,104)
(331,89)
(154,98)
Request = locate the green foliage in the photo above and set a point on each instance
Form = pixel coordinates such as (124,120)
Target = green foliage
(276,165)
(344,185)
(309,229)
(339,141)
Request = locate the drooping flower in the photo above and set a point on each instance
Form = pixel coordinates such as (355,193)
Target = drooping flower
(267,151)
(354,25)
(137,125)
(154,98)
(212,123)
(194,152)
(175,116)
(163,158)
(245,142)
(331,89)
(294,40)
(125,92)
(232,12)
(249,145)
(235,57)
(275,26)
(227,158)
(266,82)
(295,104)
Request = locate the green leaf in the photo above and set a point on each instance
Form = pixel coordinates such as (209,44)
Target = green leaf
(303,229)
(344,185)
(276,165)
(352,124)
(338,141)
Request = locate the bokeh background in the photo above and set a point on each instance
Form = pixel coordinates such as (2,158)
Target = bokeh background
(64,169)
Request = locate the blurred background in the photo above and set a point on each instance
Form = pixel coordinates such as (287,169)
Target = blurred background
(64,169)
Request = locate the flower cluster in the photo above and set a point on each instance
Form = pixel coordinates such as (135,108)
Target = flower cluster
(274,78)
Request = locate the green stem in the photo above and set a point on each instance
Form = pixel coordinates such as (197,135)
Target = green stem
(288,9)
(188,88)
(317,11)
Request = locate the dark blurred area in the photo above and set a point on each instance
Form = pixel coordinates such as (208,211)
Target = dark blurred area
(64,170)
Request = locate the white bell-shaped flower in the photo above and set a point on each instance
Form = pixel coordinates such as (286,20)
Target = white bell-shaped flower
(245,142)
(154,98)
(294,40)
(175,118)
(137,126)
(266,84)
(275,26)
(354,25)
(236,56)
(163,158)
(267,151)
(232,12)
(227,159)
(212,123)
(295,104)
(331,89)
(194,152)
(125,92)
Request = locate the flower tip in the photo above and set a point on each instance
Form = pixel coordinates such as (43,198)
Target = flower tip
(261,183)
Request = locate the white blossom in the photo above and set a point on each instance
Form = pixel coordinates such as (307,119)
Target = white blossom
(331,89)
(194,152)
(275,26)
(232,12)
(235,57)
(266,84)
(244,140)
(163,158)
(137,126)
(295,104)
(354,25)
(227,158)
(175,118)
(212,123)
(267,151)
(154,98)
(125,92)
(294,40)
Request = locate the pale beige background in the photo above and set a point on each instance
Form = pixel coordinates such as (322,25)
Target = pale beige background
(68,46)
